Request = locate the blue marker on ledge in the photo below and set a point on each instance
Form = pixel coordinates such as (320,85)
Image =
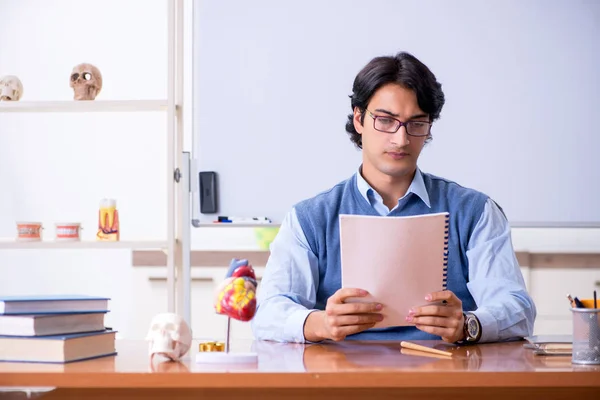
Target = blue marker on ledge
(243,220)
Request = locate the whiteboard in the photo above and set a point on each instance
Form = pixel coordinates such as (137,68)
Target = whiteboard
(272,79)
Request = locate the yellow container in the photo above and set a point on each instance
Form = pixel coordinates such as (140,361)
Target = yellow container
(264,236)
(589,303)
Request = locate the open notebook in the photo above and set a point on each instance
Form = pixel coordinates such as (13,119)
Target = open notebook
(550,345)
(398,260)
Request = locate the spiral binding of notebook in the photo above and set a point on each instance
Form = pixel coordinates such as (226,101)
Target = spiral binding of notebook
(446,236)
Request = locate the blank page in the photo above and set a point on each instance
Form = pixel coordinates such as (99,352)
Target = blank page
(398,260)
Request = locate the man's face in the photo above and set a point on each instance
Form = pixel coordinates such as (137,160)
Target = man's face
(392,154)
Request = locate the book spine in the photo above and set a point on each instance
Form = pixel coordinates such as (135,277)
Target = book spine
(445,269)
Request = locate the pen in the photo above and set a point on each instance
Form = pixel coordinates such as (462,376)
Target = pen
(578,303)
(573,305)
(595,304)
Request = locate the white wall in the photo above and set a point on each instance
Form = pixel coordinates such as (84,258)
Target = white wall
(57,167)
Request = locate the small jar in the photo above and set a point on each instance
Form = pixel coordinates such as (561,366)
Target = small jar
(29,231)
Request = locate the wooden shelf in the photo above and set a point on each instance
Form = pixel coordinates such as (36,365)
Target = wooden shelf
(83,106)
(210,258)
(201,258)
(84,244)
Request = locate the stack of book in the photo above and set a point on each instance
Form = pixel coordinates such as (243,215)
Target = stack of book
(54,329)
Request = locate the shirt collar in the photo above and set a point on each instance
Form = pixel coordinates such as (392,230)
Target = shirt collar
(417,186)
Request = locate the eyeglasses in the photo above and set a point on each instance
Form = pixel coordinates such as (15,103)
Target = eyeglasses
(387,124)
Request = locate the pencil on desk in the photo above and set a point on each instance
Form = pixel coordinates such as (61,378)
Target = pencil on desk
(418,353)
(413,346)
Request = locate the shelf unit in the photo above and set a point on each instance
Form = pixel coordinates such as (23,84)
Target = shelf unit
(83,106)
(176,232)
(6,244)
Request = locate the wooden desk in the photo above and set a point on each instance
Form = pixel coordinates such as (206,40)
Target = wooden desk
(345,370)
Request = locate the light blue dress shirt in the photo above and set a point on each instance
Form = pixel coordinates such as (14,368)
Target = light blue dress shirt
(504,308)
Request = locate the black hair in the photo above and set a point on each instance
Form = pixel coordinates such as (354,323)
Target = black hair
(403,69)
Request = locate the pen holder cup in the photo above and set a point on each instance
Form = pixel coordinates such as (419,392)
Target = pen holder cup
(586,336)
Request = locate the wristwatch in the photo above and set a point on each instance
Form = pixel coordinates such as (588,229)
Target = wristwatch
(472,328)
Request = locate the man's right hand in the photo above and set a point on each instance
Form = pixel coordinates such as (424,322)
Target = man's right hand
(341,319)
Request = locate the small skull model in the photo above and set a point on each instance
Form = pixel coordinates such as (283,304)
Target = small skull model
(11,88)
(86,82)
(169,336)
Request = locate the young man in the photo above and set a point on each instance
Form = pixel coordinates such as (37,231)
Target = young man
(394,102)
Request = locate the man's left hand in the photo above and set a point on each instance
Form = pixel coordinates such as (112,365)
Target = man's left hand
(445,320)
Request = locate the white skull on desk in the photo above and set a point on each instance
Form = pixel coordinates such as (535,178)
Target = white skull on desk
(169,335)
(11,88)
(86,82)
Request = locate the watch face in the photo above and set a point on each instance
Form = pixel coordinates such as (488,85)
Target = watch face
(472,327)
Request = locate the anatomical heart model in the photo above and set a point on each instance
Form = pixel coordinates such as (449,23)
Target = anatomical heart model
(86,82)
(11,88)
(236,295)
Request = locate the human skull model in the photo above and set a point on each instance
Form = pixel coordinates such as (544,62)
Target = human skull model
(86,82)
(169,335)
(11,88)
